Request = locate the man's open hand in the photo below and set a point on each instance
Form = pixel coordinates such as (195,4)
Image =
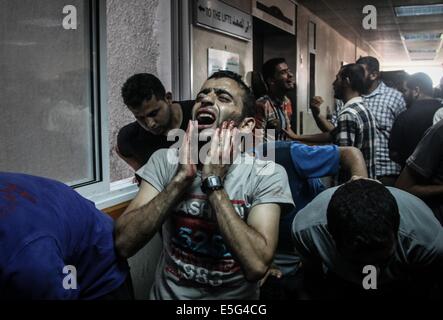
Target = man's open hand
(187,165)
(221,153)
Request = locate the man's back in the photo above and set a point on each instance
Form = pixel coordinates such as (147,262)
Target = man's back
(46,226)
(419,241)
(410,127)
(386,104)
(357,127)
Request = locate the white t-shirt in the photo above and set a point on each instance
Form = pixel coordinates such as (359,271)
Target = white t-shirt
(195,262)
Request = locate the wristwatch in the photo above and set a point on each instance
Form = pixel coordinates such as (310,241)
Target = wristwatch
(211,183)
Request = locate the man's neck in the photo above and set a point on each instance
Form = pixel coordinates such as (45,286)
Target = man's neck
(278,94)
(176,117)
(373,86)
(350,95)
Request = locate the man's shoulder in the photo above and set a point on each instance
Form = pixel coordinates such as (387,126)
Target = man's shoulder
(314,214)
(417,221)
(167,155)
(391,93)
(263,100)
(352,110)
(131,131)
(186,106)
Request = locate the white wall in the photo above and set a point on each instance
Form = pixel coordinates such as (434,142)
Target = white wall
(138,40)
(332,49)
(204,39)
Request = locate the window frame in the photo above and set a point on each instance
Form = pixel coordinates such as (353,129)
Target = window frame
(100,117)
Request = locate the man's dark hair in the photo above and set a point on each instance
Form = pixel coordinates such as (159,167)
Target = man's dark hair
(371,63)
(421,80)
(141,87)
(362,216)
(268,69)
(248,97)
(356,75)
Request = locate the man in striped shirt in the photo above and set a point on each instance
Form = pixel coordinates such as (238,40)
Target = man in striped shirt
(385,103)
(356,126)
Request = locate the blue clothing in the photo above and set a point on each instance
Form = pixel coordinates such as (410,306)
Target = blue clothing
(45,226)
(304,166)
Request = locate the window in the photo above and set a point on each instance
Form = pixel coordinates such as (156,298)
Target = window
(50,122)
(60,98)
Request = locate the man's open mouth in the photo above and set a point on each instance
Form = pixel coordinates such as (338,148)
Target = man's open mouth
(205,118)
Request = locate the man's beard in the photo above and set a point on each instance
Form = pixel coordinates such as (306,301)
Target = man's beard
(339,93)
(368,85)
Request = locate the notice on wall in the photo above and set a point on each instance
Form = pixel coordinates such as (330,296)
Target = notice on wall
(220,17)
(222,60)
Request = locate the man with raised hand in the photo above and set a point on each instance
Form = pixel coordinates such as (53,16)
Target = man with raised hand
(219,222)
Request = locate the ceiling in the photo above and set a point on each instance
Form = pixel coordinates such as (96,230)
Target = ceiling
(388,40)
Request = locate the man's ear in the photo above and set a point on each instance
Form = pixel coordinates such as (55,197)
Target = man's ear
(374,75)
(168,97)
(247,125)
(416,92)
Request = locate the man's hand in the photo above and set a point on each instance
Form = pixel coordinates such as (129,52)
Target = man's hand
(288,130)
(221,153)
(188,166)
(315,105)
(273,271)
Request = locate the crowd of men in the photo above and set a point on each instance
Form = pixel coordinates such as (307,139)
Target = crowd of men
(236,223)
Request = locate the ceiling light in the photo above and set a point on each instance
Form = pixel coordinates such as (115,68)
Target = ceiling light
(424,10)
(422,36)
(422,50)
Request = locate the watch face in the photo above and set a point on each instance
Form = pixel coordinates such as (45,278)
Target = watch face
(212,183)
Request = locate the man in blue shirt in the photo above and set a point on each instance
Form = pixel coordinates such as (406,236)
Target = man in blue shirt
(305,165)
(54,244)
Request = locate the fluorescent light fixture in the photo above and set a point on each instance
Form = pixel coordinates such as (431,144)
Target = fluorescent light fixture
(422,36)
(422,59)
(423,10)
(422,50)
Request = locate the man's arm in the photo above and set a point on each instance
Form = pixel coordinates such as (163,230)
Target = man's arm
(261,116)
(319,138)
(322,123)
(416,177)
(132,162)
(147,212)
(145,215)
(252,243)
(412,182)
(351,159)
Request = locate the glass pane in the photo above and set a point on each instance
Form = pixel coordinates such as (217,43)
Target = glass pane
(46,123)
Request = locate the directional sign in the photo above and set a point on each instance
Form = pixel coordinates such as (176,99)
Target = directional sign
(223,18)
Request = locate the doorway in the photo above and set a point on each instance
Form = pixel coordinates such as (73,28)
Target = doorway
(272,42)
